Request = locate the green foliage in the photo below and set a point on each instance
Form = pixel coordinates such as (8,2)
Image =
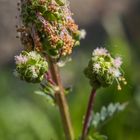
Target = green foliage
(21,120)
(97,136)
(49,98)
(106,113)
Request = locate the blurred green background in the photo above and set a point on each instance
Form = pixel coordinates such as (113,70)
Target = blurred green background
(113,24)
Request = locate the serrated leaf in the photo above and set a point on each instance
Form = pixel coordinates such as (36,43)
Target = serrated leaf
(107,112)
(111,109)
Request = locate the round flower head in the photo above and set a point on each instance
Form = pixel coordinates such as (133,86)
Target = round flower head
(103,69)
(48,27)
(30,66)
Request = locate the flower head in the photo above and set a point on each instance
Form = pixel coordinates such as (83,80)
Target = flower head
(30,66)
(103,69)
(49,26)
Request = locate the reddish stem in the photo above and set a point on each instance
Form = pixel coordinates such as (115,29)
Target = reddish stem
(88,116)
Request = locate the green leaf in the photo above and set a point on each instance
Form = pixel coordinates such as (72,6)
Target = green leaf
(97,136)
(50,100)
(48,97)
(38,92)
(107,112)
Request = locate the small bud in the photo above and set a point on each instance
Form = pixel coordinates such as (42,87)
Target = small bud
(119,87)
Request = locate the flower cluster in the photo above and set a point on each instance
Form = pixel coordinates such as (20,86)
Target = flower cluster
(30,66)
(48,27)
(103,69)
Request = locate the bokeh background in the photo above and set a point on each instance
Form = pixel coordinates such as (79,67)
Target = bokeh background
(113,24)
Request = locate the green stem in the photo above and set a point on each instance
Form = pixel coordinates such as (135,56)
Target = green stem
(61,101)
(88,116)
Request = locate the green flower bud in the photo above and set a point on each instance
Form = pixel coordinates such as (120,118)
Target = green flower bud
(103,69)
(30,66)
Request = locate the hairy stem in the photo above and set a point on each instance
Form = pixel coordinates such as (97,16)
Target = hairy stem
(61,101)
(88,116)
